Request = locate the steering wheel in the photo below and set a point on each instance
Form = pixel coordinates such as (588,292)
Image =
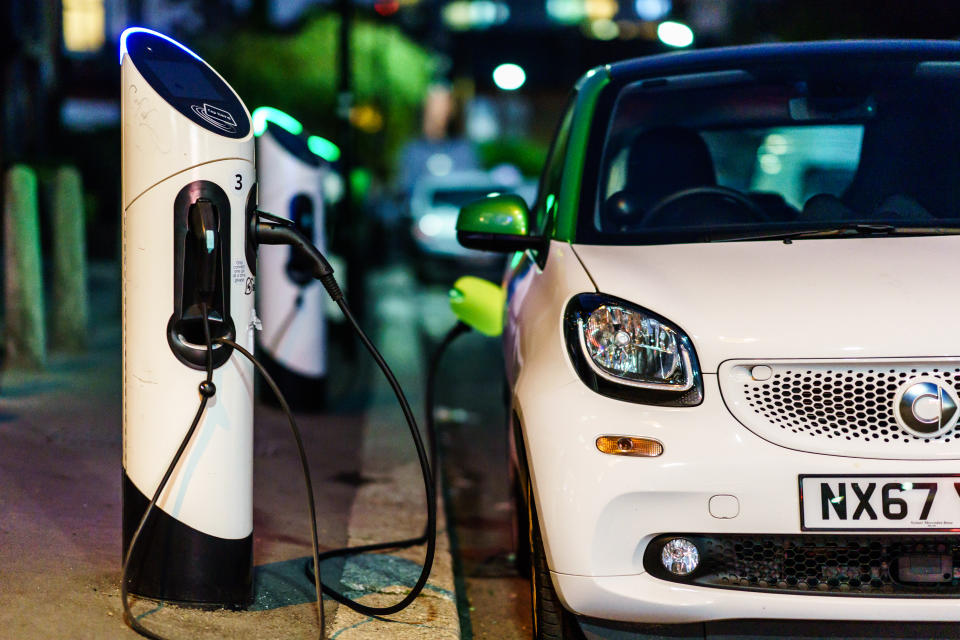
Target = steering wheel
(728,196)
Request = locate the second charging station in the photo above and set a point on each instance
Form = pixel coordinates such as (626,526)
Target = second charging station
(290,303)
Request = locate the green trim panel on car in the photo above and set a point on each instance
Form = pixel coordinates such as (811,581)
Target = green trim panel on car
(478,303)
(588,90)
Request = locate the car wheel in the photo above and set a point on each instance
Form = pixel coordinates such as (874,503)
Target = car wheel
(550,620)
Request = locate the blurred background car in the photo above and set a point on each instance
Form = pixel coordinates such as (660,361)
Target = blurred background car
(434,205)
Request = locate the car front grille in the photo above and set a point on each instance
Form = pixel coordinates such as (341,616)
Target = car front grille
(818,564)
(838,407)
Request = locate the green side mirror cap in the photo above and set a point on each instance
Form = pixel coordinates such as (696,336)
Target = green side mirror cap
(478,303)
(499,222)
(498,213)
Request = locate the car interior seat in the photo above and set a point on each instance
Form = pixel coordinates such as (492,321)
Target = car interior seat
(671,182)
(909,163)
(660,162)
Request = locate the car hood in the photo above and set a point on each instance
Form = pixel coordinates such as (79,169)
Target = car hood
(814,298)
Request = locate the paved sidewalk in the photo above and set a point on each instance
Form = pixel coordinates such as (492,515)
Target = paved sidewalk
(60,500)
(386,504)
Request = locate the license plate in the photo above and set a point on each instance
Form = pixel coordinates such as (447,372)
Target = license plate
(883,503)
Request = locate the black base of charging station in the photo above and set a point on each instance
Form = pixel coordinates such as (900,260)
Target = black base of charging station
(303,393)
(175,563)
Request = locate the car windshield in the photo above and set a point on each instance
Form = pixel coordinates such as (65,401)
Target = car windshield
(850,148)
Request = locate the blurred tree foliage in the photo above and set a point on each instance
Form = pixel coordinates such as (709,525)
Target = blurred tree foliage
(297,72)
(526,154)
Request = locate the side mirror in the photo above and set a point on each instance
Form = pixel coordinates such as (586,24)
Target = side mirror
(497,223)
(478,303)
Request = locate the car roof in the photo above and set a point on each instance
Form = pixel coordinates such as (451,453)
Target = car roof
(726,57)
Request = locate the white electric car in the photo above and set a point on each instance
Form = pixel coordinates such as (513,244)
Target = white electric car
(732,340)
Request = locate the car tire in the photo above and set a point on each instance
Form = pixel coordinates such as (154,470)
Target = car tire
(550,620)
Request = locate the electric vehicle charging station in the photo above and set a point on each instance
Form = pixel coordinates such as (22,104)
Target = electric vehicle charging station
(290,302)
(191,230)
(188,197)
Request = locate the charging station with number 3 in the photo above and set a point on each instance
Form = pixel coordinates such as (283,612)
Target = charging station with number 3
(188,175)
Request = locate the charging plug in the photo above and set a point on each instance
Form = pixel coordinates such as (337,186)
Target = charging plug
(270,229)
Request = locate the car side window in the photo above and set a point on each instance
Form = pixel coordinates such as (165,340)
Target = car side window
(544,210)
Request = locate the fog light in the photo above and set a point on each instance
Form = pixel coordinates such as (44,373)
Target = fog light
(680,557)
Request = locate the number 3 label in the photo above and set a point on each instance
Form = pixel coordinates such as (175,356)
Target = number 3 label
(239,184)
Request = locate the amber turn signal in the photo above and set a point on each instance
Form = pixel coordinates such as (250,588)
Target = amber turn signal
(627,446)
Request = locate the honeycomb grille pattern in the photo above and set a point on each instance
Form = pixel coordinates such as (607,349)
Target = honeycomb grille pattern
(841,565)
(842,408)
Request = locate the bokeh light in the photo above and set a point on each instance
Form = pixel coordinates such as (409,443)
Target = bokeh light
(463,15)
(652,9)
(603,29)
(566,11)
(601,9)
(324,148)
(675,34)
(509,76)
(262,115)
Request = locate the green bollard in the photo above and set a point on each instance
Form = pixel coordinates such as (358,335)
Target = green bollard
(70,312)
(25,336)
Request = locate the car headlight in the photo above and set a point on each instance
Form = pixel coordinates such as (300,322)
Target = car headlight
(624,351)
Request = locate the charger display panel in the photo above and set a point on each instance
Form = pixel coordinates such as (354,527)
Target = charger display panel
(188,84)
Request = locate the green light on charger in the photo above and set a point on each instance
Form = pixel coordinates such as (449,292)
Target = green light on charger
(324,148)
(262,115)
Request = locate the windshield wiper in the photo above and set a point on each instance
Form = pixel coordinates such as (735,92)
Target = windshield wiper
(846,230)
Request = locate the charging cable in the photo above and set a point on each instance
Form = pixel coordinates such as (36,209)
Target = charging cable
(433,455)
(304,465)
(270,229)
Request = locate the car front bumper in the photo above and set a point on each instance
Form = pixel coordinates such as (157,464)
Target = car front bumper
(598,512)
(642,598)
